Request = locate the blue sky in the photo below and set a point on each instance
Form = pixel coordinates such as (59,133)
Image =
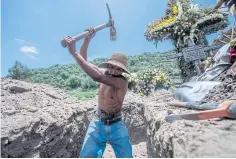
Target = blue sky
(32,29)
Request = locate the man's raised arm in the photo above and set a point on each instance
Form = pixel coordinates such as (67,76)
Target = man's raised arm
(91,70)
(84,47)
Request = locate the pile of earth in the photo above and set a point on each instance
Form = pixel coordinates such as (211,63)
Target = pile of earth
(226,90)
(39,120)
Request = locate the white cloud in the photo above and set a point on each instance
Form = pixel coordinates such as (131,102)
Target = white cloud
(20,41)
(29,49)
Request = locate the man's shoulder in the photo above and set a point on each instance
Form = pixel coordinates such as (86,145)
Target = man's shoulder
(119,76)
(123,77)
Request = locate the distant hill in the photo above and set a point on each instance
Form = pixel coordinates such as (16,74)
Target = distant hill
(71,76)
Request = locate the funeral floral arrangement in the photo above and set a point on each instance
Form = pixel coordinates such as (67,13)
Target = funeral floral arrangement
(183,21)
(150,80)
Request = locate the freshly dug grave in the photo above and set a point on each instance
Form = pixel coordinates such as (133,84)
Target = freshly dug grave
(42,121)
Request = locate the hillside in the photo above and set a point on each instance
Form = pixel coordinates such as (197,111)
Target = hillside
(72,77)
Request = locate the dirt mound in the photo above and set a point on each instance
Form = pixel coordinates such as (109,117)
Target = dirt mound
(185,138)
(43,121)
(40,121)
(224,91)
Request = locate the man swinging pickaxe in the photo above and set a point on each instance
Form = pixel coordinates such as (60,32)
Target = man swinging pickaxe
(224,109)
(110,24)
(107,125)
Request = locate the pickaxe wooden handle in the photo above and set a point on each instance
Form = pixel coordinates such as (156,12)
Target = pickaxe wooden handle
(110,23)
(225,109)
(205,106)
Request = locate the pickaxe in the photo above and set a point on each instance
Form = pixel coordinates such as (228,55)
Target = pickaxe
(225,109)
(110,24)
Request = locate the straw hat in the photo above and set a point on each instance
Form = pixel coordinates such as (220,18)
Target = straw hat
(118,59)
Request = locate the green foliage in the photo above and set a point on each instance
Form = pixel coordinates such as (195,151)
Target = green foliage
(64,75)
(73,81)
(18,71)
(72,77)
(88,84)
(82,95)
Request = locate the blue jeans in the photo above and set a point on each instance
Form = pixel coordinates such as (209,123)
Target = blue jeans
(98,134)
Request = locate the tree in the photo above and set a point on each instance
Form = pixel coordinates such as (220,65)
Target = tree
(88,84)
(73,81)
(18,71)
(64,75)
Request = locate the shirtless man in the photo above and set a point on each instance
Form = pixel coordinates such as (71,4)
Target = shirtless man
(107,125)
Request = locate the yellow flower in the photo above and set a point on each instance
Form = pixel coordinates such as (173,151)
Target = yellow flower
(164,23)
(141,94)
(173,88)
(175,10)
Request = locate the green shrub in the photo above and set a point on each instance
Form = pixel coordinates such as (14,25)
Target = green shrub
(83,95)
(73,81)
(88,83)
(18,71)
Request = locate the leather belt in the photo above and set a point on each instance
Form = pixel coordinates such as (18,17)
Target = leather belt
(110,122)
(108,118)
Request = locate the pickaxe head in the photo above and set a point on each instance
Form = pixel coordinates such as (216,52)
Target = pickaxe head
(111,25)
(109,12)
